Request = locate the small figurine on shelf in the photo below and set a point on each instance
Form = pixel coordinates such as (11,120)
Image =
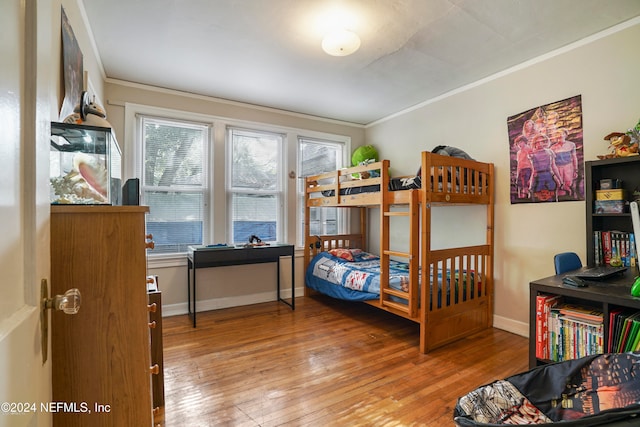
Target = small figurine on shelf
(88,112)
(634,134)
(616,259)
(620,145)
(623,144)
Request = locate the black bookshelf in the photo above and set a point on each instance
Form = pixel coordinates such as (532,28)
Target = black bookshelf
(626,169)
(605,296)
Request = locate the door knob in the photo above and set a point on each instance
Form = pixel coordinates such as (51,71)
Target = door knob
(69,302)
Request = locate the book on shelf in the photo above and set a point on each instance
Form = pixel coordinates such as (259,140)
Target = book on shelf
(624,330)
(583,313)
(544,303)
(629,345)
(555,343)
(609,242)
(617,326)
(620,247)
(635,342)
(606,247)
(597,247)
(579,338)
(613,313)
(624,335)
(567,331)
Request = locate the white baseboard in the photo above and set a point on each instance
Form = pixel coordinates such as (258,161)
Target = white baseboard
(226,302)
(510,325)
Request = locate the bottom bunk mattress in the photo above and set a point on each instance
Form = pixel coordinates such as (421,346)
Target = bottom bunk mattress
(354,275)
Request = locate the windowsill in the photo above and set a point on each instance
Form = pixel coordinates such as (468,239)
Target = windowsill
(166,260)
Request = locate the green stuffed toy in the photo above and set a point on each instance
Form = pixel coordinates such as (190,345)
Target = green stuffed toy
(364,155)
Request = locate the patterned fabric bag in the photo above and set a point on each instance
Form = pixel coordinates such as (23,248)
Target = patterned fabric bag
(591,391)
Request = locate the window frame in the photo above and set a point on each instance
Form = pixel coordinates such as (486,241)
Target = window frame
(342,215)
(216,201)
(202,189)
(279,192)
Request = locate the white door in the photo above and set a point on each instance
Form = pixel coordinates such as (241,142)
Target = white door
(25,382)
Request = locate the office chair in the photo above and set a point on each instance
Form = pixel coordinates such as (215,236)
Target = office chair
(566,261)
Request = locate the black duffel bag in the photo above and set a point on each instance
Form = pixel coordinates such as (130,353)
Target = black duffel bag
(591,391)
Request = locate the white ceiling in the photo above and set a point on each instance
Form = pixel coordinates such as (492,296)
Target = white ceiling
(267,52)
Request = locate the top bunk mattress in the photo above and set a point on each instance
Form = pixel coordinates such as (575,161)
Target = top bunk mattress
(395,184)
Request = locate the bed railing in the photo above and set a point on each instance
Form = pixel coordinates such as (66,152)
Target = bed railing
(454,180)
(461,275)
(324,189)
(316,244)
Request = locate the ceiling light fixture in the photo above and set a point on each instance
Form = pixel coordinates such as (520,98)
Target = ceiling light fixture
(340,42)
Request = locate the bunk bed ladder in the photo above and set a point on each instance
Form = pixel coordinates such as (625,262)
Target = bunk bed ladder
(411,296)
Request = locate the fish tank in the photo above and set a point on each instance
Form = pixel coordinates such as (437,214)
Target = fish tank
(85,165)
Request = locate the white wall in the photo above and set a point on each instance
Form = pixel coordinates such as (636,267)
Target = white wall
(604,70)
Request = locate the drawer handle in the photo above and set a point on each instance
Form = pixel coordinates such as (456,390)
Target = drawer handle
(153,307)
(152,325)
(155,369)
(149,241)
(156,410)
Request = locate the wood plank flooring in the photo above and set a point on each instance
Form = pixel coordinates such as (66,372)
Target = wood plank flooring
(328,363)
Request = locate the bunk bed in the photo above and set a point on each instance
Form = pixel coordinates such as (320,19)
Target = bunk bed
(449,292)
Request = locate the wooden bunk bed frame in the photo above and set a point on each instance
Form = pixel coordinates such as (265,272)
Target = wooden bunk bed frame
(446,315)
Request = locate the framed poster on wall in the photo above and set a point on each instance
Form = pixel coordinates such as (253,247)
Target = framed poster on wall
(546,153)
(73,74)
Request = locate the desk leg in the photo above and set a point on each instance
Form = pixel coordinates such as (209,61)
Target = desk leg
(191,303)
(194,296)
(293,285)
(278,277)
(293,280)
(189,265)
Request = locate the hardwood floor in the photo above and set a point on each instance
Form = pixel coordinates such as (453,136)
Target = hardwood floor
(328,363)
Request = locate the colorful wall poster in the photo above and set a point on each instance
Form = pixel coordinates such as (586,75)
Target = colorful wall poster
(546,152)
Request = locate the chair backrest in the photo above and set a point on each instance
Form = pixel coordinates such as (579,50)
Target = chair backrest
(566,261)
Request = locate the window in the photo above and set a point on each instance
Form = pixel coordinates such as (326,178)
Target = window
(248,192)
(174,182)
(255,188)
(315,157)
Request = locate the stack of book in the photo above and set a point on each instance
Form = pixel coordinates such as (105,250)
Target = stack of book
(544,304)
(611,243)
(567,331)
(624,330)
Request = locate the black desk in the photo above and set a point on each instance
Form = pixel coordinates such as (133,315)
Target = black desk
(205,257)
(603,294)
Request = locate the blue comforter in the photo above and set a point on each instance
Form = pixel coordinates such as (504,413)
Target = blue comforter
(362,274)
(358,279)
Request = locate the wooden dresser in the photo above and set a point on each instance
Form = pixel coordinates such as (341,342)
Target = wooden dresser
(101,356)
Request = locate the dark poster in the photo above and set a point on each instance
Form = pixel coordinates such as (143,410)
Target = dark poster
(72,68)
